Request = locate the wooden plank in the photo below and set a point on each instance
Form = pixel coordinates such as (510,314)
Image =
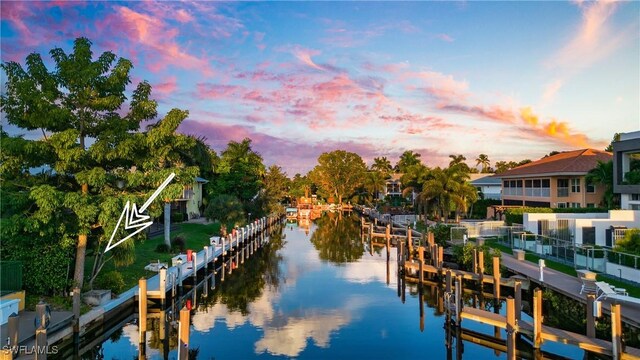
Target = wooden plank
(484,317)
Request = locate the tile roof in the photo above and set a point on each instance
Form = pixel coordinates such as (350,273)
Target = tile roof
(576,161)
(487,179)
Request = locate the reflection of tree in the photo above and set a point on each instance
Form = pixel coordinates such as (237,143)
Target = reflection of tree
(247,281)
(154,339)
(337,238)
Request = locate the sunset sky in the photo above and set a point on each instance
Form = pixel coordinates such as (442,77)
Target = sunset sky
(513,80)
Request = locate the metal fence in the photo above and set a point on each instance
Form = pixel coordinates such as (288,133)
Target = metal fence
(483,228)
(10,276)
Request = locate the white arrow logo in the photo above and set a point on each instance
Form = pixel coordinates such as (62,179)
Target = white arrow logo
(134,217)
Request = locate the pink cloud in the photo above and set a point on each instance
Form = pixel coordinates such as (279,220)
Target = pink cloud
(304,55)
(444,37)
(166,87)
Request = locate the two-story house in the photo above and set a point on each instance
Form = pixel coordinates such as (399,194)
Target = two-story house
(556,181)
(623,150)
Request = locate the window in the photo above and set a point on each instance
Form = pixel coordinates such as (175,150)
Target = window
(635,197)
(575,185)
(591,188)
(563,187)
(562,205)
(591,205)
(634,206)
(574,205)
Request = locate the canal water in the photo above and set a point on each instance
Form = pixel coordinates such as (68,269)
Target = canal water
(316,291)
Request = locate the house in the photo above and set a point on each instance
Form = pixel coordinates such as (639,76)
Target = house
(623,150)
(191,202)
(556,181)
(487,184)
(392,187)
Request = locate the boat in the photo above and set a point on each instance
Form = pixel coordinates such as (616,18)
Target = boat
(292,213)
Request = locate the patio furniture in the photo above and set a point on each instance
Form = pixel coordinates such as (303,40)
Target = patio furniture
(588,279)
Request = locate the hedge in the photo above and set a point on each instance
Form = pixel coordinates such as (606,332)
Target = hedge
(515,215)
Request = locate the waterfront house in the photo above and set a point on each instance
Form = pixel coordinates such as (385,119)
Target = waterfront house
(624,152)
(556,181)
(190,203)
(487,184)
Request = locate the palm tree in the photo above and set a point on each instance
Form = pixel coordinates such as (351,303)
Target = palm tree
(382,164)
(459,161)
(465,196)
(374,182)
(602,174)
(483,160)
(412,181)
(445,186)
(407,159)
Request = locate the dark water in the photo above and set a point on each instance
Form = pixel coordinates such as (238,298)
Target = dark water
(315,292)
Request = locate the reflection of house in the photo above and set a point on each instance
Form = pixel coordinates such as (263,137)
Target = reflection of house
(488,185)
(392,186)
(629,193)
(191,202)
(556,181)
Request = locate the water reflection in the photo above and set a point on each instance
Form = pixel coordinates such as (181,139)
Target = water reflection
(337,237)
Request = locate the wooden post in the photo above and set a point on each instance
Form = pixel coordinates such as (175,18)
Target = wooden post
(387,232)
(142,307)
(511,329)
(591,320)
(537,318)
(402,255)
(421,265)
(410,248)
(421,305)
(409,235)
(75,294)
(41,343)
(481,268)
(183,343)
(388,237)
(517,289)
(194,258)
(448,282)
(496,277)
(616,331)
(474,263)
(163,284)
(440,257)
(459,300)
(388,265)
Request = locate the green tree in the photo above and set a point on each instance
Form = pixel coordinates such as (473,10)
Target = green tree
(408,158)
(338,173)
(299,186)
(630,243)
(337,238)
(602,174)
(459,162)
(502,166)
(445,186)
(227,209)
(276,189)
(240,172)
(374,183)
(382,165)
(483,161)
(82,99)
(616,137)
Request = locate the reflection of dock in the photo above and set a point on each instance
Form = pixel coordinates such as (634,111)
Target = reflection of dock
(425,265)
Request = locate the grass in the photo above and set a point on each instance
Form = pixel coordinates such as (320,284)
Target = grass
(57,303)
(633,290)
(196,236)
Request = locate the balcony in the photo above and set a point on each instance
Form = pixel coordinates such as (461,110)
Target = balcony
(563,192)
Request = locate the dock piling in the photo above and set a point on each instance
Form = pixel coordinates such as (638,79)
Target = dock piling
(517,291)
(183,343)
(511,329)
(496,277)
(142,308)
(616,331)
(537,318)
(591,320)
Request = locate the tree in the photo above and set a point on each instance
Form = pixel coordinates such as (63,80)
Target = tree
(444,186)
(483,160)
(408,158)
(239,173)
(89,184)
(382,165)
(602,174)
(276,188)
(459,161)
(227,209)
(374,183)
(338,173)
(337,238)
(299,186)
(616,138)
(501,166)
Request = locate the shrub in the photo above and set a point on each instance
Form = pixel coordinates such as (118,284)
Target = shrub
(178,244)
(515,215)
(463,255)
(177,217)
(630,243)
(163,248)
(441,233)
(110,281)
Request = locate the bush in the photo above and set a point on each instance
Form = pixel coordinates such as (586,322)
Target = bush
(110,281)
(480,208)
(441,233)
(630,243)
(163,248)
(515,215)
(178,244)
(463,255)
(177,217)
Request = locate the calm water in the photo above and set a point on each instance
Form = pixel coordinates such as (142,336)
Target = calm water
(313,293)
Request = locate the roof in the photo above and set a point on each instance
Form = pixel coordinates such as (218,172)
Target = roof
(394,177)
(201,180)
(487,179)
(576,162)
(475,176)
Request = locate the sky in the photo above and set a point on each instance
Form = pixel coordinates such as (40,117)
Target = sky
(513,80)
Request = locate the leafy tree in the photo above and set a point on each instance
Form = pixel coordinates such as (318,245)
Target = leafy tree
(374,183)
(382,165)
(276,188)
(337,238)
(459,162)
(239,173)
(227,209)
(602,174)
(630,243)
(338,173)
(299,186)
(522,162)
(445,186)
(408,158)
(616,138)
(84,192)
(501,166)
(483,160)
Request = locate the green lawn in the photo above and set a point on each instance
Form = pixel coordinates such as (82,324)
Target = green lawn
(567,269)
(196,237)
